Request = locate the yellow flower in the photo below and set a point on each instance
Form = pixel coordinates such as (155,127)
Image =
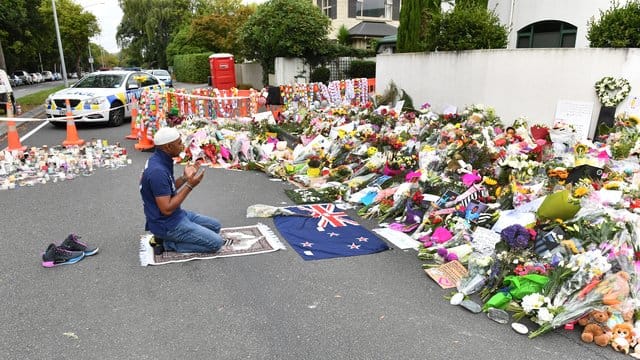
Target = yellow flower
(634,119)
(489,181)
(341,133)
(371,150)
(612,185)
(498,191)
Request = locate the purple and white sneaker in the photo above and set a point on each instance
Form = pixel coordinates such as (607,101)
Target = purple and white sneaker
(72,243)
(55,255)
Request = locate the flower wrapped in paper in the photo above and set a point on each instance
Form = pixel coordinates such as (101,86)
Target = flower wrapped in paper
(613,290)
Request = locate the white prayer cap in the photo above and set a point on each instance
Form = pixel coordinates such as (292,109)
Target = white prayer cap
(166,135)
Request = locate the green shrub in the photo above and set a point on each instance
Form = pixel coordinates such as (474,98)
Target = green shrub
(467,27)
(192,68)
(362,69)
(321,74)
(244,86)
(617,27)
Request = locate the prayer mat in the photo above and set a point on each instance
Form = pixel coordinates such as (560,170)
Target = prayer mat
(239,241)
(325,232)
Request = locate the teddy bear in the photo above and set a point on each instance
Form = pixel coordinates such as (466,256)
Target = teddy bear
(595,327)
(621,337)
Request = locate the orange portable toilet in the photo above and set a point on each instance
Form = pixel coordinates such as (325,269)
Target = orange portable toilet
(223,71)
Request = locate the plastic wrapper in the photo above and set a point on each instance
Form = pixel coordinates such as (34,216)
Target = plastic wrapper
(613,290)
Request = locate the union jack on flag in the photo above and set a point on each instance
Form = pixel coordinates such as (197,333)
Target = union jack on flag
(327,216)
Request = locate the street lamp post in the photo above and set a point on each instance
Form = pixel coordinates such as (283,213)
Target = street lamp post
(55,21)
(90,57)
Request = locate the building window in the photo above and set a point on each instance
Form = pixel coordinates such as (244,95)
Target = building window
(547,34)
(380,9)
(328,7)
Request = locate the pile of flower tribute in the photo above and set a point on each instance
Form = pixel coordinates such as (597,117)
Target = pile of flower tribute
(545,224)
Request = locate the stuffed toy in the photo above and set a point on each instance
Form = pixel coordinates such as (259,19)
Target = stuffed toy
(282,152)
(621,337)
(595,327)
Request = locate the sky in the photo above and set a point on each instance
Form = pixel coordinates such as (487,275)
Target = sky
(109,16)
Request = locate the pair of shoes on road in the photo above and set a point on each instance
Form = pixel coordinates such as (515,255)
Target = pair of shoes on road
(69,252)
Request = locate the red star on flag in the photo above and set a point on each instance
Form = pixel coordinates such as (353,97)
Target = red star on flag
(362,239)
(306,244)
(354,246)
(332,234)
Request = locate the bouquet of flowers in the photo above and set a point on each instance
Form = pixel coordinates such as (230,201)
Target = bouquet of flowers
(587,266)
(612,290)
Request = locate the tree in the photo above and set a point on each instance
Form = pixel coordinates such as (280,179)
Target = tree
(414,15)
(467,27)
(147,27)
(617,27)
(284,28)
(343,35)
(212,32)
(76,27)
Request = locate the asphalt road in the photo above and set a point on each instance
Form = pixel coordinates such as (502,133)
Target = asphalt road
(270,306)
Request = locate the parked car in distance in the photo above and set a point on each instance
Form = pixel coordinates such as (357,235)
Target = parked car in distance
(24,76)
(14,80)
(104,96)
(36,78)
(47,75)
(163,75)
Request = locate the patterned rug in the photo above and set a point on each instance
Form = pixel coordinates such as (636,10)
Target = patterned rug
(239,241)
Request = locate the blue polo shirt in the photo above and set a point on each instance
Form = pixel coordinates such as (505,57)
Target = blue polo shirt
(157,180)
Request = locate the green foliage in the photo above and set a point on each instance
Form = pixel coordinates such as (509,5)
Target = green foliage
(467,27)
(320,74)
(413,14)
(362,69)
(284,28)
(192,68)
(214,31)
(343,36)
(617,27)
(147,26)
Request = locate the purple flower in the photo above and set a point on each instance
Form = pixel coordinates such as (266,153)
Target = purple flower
(516,236)
(451,257)
(442,252)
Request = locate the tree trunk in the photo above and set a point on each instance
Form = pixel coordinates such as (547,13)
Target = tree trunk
(3,64)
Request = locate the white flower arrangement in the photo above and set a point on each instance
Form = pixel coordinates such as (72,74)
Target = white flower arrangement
(612,91)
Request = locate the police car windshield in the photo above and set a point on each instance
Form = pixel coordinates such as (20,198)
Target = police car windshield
(100,81)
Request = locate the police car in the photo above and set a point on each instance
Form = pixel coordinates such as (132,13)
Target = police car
(104,96)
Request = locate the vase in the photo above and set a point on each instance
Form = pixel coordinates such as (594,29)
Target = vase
(606,119)
(313,171)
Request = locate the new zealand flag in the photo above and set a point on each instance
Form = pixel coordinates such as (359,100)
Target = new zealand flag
(323,232)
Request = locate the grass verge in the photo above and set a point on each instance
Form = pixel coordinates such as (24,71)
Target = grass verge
(34,100)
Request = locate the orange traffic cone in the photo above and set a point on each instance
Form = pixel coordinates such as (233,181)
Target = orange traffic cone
(144,143)
(134,128)
(12,133)
(72,132)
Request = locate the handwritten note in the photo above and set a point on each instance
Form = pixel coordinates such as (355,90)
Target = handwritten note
(576,113)
(448,274)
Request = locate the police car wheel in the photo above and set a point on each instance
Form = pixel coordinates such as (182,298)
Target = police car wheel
(116,116)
